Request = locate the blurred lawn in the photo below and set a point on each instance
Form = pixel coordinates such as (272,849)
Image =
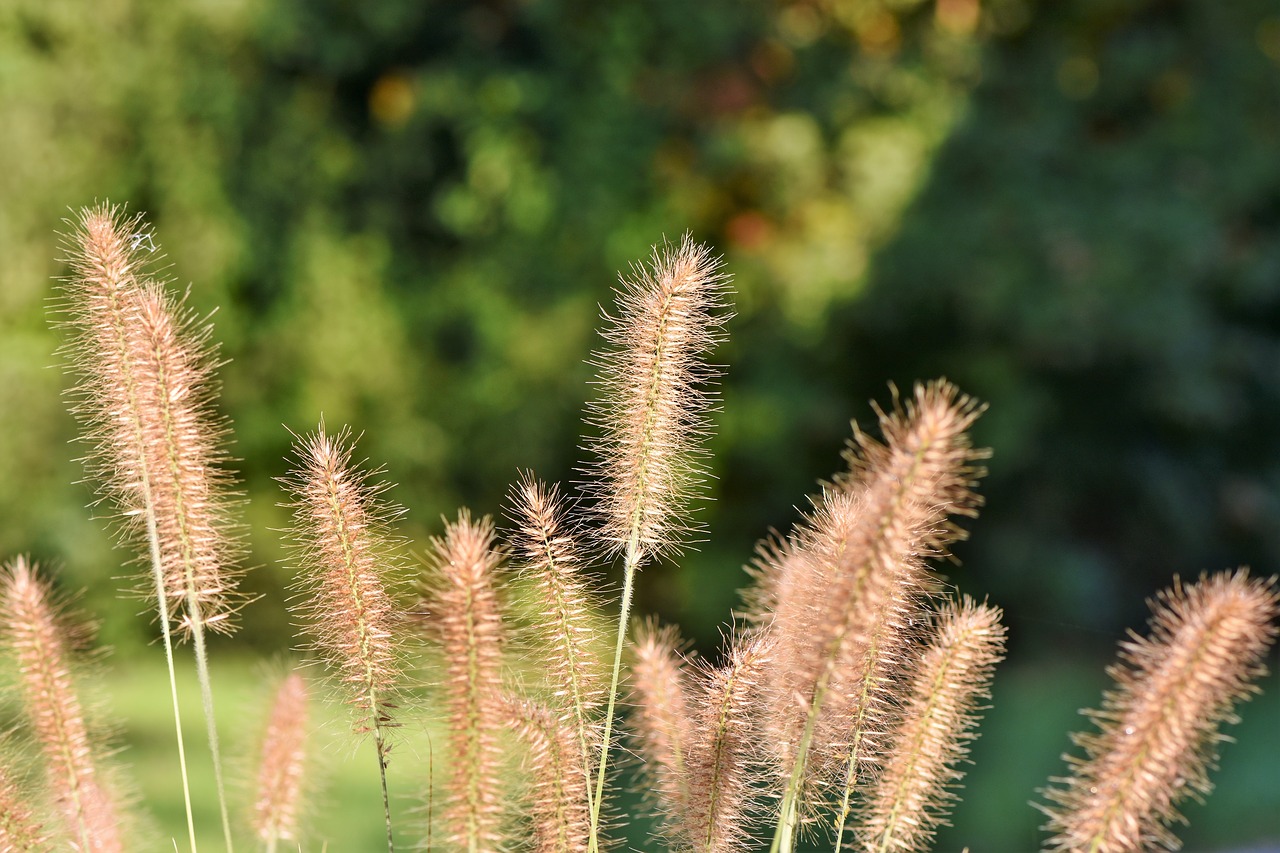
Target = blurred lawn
(346,810)
(1023,736)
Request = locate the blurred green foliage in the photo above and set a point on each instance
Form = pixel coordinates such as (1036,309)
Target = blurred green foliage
(406,214)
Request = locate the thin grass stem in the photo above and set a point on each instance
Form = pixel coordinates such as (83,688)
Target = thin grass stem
(624,614)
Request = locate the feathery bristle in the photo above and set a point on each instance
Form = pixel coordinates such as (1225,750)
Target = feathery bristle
(465,612)
(20,830)
(567,636)
(561,820)
(952,677)
(654,398)
(35,637)
(282,764)
(661,720)
(719,752)
(348,562)
(853,574)
(145,396)
(1158,727)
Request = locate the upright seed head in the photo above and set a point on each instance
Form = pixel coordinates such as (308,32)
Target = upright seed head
(464,610)
(348,564)
(1158,727)
(652,410)
(720,751)
(561,820)
(282,764)
(950,680)
(20,830)
(548,555)
(36,638)
(848,580)
(145,397)
(662,719)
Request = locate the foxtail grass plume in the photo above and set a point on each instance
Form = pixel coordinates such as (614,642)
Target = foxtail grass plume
(20,829)
(915,787)
(662,719)
(561,816)
(547,554)
(146,396)
(282,765)
(720,751)
(1158,728)
(854,569)
(348,562)
(654,398)
(465,615)
(348,565)
(146,399)
(37,639)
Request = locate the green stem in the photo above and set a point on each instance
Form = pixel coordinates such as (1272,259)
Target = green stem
(628,583)
(381,745)
(210,720)
(157,573)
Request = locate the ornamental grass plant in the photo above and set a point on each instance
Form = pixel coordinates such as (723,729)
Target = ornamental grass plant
(840,714)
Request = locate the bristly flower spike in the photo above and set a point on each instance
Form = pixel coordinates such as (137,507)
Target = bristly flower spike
(463,608)
(652,413)
(561,818)
(1158,727)
(146,399)
(951,679)
(36,638)
(282,765)
(859,568)
(20,830)
(720,750)
(548,554)
(349,563)
(662,719)
(654,398)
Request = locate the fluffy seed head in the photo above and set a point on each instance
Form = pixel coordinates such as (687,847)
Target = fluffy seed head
(35,637)
(662,718)
(348,562)
(653,402)
(720,750)
(561,820)
(282,764)
(848,580)
(463,607)
(548,555)
(1158,727)
(145,397)
(950,680)
(20,830)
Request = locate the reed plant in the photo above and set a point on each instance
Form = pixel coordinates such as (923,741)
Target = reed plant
(842,709)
